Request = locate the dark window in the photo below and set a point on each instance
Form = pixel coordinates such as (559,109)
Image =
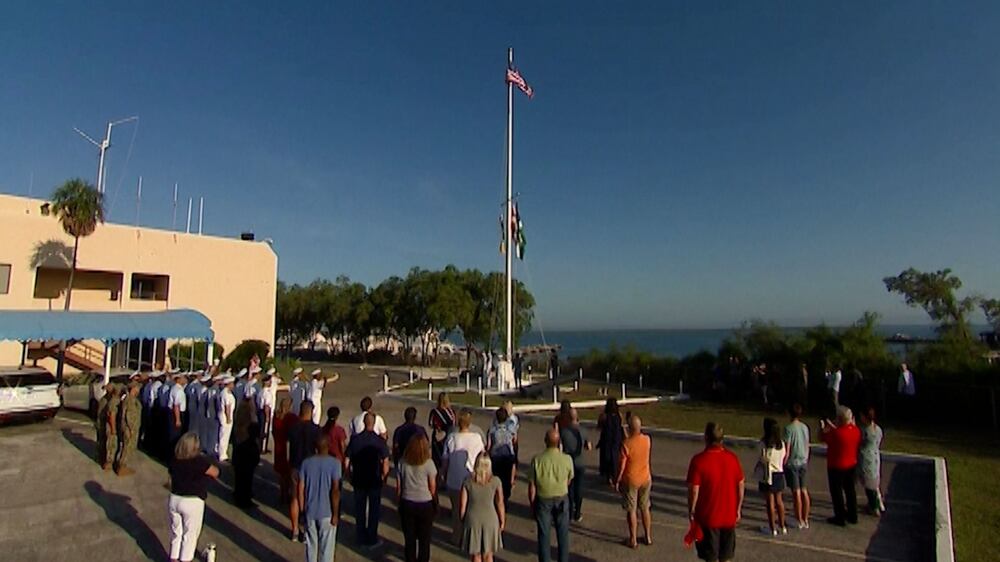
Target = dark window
(148,287)
(4,278)
(26,379)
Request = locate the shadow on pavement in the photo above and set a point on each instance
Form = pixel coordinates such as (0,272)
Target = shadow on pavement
(83,444)
(901,531)
(118,509)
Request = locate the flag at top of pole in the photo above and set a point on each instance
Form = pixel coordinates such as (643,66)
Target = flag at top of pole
(514,77)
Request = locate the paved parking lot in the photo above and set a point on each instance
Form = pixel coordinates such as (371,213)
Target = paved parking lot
(59,505)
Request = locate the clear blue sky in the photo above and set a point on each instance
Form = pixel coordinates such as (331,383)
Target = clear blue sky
(683,164)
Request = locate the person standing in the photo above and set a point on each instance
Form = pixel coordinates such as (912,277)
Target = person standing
(246,452)
(574,443)
(358,423)
(457,460)
(129,420)
(797,464)
(316,386)
(842,440)
(554,365)
(226,408)
(368,467)
(769,471)
(906,387)
(870,460)
(297,390)
(802,386)
(106,423)
(148,391)
(284,419)
(715,497)
(302,439)
(319,494)
(177,409)
(518,365)
(609,446)
(190,472)
(165,417)
(833,381)
(501,442)
(338,437)
(483,513)
(548,496)
(441,421)
(401,435)
(416,494)
(266,401)
(635,481)
(191,392)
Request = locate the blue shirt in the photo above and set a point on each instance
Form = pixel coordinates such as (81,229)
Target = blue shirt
(319,474)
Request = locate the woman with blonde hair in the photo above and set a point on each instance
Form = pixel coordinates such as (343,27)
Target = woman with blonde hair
(483,513)
(284,419)
(416,492)
(190,472)
(441,421)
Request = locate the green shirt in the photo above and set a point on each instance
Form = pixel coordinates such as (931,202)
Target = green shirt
(551,472)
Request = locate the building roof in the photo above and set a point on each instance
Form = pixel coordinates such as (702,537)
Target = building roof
(45,325)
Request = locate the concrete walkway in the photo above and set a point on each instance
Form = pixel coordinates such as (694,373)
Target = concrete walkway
(58,505)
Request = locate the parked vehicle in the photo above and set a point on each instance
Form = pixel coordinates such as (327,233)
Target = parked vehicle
(28,392)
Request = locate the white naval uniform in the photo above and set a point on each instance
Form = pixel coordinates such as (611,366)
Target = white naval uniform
(266,398)
(316,397)
(226,401)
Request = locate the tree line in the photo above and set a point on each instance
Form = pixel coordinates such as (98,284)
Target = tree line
(425,306)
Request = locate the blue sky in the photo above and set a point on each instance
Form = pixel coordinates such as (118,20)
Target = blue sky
(683,164)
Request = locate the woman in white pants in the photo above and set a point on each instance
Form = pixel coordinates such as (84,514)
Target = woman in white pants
(190,473)
(226,411)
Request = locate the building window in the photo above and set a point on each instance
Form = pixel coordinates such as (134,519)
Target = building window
(4,278)
(147,287)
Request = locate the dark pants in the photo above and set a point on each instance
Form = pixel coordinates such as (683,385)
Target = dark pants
(549,511)
(503,468)
(576,492)
(517,378)
(417,520)
(246,457)
(367,513)
(841,489)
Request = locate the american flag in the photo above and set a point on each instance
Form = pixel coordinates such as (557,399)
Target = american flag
(514,77)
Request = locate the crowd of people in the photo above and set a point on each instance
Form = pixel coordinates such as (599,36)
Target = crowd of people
(197,421)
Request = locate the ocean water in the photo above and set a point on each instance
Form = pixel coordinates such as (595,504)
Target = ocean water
(675,342)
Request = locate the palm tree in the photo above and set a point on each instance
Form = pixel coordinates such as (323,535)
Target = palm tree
(79,207)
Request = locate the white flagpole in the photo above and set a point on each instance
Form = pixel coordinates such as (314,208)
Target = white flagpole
(173,225)
(138,201)
(510,195)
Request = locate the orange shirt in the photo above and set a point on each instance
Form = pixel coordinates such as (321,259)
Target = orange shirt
(635,458)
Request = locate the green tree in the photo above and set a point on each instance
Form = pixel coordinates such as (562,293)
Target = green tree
(79,207)
(991,308)
(935,293)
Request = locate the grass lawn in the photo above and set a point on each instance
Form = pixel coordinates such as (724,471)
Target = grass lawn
(973,462)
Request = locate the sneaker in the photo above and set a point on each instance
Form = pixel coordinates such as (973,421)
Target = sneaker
(805,524)
(784,530)
(578,518)
(766,530)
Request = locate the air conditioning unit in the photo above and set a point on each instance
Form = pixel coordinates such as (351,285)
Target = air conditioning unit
(248,236)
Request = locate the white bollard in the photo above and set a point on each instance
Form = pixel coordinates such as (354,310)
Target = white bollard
(480,385)
(430,391)
(467,375)
(411,376)
(623,391)
(682,387)
(576,386)
(482,400)
(607,378)
(580,374)
(555,394)
(640,382)
(385,382)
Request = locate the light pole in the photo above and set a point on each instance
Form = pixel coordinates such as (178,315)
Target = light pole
(102,147)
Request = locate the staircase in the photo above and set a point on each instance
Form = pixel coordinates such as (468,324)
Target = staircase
(79,355)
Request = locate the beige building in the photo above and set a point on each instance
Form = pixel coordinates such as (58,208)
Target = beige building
(126,268)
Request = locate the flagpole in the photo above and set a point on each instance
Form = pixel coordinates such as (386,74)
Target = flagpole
(510,196)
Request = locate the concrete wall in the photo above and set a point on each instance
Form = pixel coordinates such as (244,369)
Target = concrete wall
(231,281)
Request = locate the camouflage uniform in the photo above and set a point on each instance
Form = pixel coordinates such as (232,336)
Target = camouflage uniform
(129,419)
(107,414)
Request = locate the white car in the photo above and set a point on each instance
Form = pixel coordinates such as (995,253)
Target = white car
(28,392)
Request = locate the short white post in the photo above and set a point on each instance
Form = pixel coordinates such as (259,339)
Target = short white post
(385,382)
(411,376)
(555,394)
(579,375)
(576,386)
(640,381)
(482,400)
(623,391)
(480,385)
(107,362)
(467,376)
(682,387)
(430,391)
(607,377)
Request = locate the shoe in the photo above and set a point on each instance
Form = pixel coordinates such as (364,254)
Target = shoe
(784,530)
(578,518)
(837,522)
(125,471)
(105,467)
(765,530)
(805,524)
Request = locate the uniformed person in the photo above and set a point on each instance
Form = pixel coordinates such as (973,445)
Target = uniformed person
(297,390)
(107,414)
(226,411)
(129,420)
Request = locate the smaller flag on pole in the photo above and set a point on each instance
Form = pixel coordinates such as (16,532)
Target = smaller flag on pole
(514,77)
(503,237)
(517,233)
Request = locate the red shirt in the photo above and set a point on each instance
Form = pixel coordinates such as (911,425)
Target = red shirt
(842,447)
(338,443)
(718,473)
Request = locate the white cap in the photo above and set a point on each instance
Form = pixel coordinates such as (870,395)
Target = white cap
(254,370)
(218,378)
(206,377)
(316,372)
(297,370)
(227,379)
(271,371)
(174,371)
(242,372)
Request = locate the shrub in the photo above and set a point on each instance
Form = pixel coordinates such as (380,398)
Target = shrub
(240,356)
(180,355)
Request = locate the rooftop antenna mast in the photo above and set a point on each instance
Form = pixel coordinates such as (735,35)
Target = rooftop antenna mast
(102,148)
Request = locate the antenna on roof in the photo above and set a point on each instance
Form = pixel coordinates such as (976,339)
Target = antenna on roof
(201,213)
(173,225)
(103,147)
(190,201)
(138,201)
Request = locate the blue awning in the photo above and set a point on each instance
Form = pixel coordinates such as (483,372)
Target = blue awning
(45,325)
